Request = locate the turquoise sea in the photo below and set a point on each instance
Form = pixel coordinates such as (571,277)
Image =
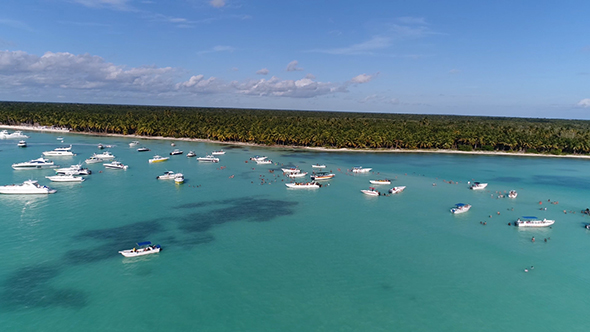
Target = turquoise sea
(243,254)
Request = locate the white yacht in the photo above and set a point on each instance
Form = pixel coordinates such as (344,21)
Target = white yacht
(318,166)
(26,188)
(371,192)
(93,160)
(397,190)
(145,248)
(478,186)
(35,164)
(168,175)
(385,181)
(460,208)
(218,152)
(17,135)
(176,152)
(74,170)
(104,156)
(115,165)
(303,185)
(60,152)
(133,144)
(191,154)
(158,159)
(257,158)
(178,178)
(209,158)
(22,144)
(533,222)
(64,148)
(65,178)
(512,194)
(359,169)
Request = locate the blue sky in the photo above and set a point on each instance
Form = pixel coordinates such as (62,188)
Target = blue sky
(501,58)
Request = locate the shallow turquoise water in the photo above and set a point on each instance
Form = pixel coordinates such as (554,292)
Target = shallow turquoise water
(240,255)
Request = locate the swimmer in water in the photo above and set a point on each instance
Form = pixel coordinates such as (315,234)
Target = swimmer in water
(526,270)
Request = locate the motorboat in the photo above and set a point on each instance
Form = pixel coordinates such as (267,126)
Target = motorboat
(191,154)
(530,221)
(17,135)
(218,152)
(359,169)
(385,181)
(168,175)
(22,144)
(397,190)
(208,158)
(100,146)
(74,170)
(176,152)
(143,248)
(4,134)
(257,158)
(115,165)
(158,159)
(142,149)
(371,192)
(478,186)
(512,194)
(133,144)
(172,144)
(318,166)
(264,162)
(28,187)
(303,185)
(93,160)
(178,178)
(460,208)
(63,148)
(104,156)
(60,138)
(59,152)
(65,178)
(35,164)
(291,170)
(297,175)
(322,176)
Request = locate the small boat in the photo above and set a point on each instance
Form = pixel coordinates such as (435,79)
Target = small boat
(104,156)
(65,178)
(60,138)
(291,170)
(22,144)
(176,152)
(371,192)
(172,144)
(191,154)
(178,178)
(168,175)
(397,190)
(257,158)
(100,146)
(74,170)
(264,162)
(158,159)
(142,149)
(359,169)
(318,166)
(115,165)
(218,152)
(296,175)
(208,158)
(512,194)
(144,248)
(478,186)
(460,208)
(380,181)
(303,185)
(93,160)
(133,144)
(530,221)
(28,187)
(322,176)
(35,164)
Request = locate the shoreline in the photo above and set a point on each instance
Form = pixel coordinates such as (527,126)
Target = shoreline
(311,148)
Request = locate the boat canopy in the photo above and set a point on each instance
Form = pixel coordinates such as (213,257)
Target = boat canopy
(460,204)
(146,243)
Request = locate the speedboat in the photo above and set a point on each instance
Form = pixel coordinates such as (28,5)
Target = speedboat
(142,149)
(158,159)
(17,135)
(291,170)
(63,148)
(60,152)
(209,158)
(303,185)
(297,175)
(104,156)
(512,194)
(4,134)
(359,169)
(26,188)
(380,181)
(178,178)
(478,186)
(218,152)
(168,175)
(322,176)
(144,248)
(191,154)
(529,221)
(100,146)
(93,160)
(35,164)
(74,170)
(371,192)
(397,190)
(257,158)
(133,144)
(318,166)
(115,165)
(460,208)
(65,178)
(264,162)
(22,144)
(176,152)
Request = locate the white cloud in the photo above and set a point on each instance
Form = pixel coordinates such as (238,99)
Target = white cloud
(585,103)
(112,4)
(310,76)
(218,48)
(292,66)
(217,3)
(363,78)
(263,71)
(411,20)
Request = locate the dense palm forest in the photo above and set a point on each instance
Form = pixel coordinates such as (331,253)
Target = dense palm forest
(316,129)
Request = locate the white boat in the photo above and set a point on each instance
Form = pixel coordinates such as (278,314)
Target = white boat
(478,186)
(63,148)
(178,178)
(133,144)
(176,152)
(318,166)
(142,149)
(93,160)
(322,176)
(22,144)
(397,190)
(371,192)
(460,208)
(168,175)
(158,159)
(512,194)
(257,158)
(533,222)
(60,138)
(17,135)
(264,162)
(35,164)
(380,181)
(4,134)
(208,158)
(359,169)
(191,154)
(104,156)
(28,187)
(115,165)
(74,170)
(58,153)
(296,175)
(303,185)
(291,170)
(65,178)
(144,248)
(218,152)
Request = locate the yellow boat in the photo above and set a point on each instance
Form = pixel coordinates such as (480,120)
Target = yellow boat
(157,159)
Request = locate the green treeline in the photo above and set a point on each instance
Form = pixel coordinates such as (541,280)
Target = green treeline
(307,128)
